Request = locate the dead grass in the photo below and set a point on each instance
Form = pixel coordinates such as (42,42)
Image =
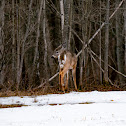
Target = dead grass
(11,105)
(55,90)
(71,103)
(14,93)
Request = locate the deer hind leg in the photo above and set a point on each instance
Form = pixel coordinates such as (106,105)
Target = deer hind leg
(74,77)
(63,73)
(61,82)
(66,85)
(60,78)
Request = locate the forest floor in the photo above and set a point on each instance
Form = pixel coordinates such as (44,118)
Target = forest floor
(70,109)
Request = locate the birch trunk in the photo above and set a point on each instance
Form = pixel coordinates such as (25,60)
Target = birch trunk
(2,66)
(45,40)
(62,17)
(100,48)
(119,51)
(70,23)
(84,35)
(38,33)
(13,44)
(18,51)
(28,29)
(66,23)
(106,43)
(21,48)
(125,31)
(85,32)
(69,39)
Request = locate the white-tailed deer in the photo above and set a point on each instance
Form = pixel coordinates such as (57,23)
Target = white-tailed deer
(66,61)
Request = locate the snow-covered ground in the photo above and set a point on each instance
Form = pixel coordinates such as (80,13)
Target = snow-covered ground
(70,109)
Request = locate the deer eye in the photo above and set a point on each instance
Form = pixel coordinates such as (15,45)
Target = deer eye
(57,52)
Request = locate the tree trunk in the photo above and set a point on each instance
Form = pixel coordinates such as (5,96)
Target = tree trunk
(66,23)
(45,40)
(119,51)
(18,50)
(100,48)
(106,43)
(13,43)
(125,31)
(38,34)
(62,17)
(70,24)
(28,30)
(2,65)
(21,44)
(85,31)
(36,54)
(84,36)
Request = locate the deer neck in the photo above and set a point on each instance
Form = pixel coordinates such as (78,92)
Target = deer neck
(62,59)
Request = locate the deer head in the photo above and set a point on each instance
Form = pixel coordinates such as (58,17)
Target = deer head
(59,50)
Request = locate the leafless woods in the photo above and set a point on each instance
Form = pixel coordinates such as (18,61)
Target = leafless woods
(31,29)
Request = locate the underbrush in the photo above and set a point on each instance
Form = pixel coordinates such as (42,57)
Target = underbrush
(55,90)
(11,105)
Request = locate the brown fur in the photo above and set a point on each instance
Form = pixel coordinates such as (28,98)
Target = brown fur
(67,61)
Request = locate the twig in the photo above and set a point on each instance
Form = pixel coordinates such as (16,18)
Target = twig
(100,28)
(43,83)
(109,65)
(101,69)
(87,44)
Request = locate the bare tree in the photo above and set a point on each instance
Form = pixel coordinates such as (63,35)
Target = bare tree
(2,65)
(120,54)
(18,65)
(62,18)
(21,41)
(125,31)
(100,48)
(66,23)
(70,23)
(38,33)
(84,22)
(106,42)
(45,40)
(13,42)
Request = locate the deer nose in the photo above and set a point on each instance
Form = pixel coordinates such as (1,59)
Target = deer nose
(52,56)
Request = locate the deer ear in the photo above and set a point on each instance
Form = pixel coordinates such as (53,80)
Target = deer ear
(60,46)
(63,47)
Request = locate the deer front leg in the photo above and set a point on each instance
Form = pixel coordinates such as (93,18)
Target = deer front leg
(66,85)
(60,75)
(64,71)
(59,81)
(62,81)
(74,77)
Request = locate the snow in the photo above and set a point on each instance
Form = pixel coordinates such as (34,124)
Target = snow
(70,109)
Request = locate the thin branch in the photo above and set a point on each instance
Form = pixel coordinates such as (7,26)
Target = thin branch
(101,68)
(100,28)
(109,65)
(90,42)
(77,36)
(42,84)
